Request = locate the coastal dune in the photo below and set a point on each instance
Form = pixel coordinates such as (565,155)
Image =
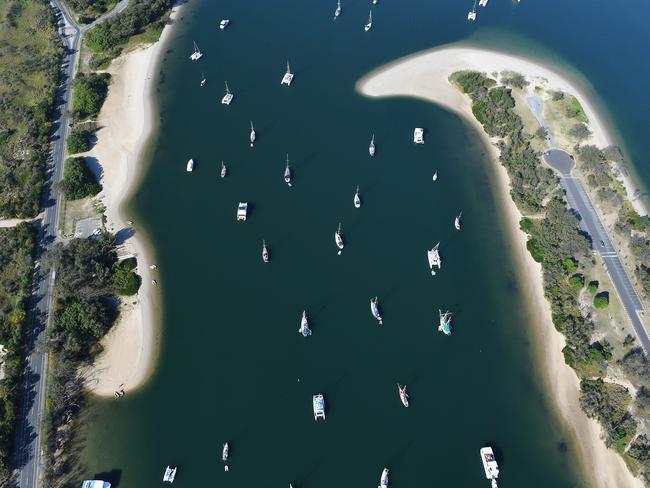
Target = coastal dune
(126,121)
(425,76)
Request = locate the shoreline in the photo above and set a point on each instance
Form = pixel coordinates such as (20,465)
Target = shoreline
(424,75)
(127,121)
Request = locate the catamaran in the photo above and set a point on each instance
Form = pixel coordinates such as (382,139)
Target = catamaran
(435,175)
(418,135)
(374,309)
(304,325)
(472,13)
(288,76)
(227,98)
(252,136)
(445,322)
(265,252)
(95,484)
(203,80)
(338,238)
(482,3)
(197,54)
(490,465)
(224,23)
(457,221)
(170,474)
(383,482)
(371,147)
(403,395)
(434,259)
(318,403)
(357,198)
(224,452)
(242,211)
(368,26)
(287,173)
(223,169)
(337,12)
(190,166)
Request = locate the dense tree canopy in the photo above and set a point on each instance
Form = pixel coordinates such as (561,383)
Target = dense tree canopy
(78,181)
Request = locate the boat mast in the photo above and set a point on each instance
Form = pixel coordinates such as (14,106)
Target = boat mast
(227,90)
(288,68)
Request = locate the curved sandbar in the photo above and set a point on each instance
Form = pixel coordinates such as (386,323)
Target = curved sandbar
(426,76)
(126,121)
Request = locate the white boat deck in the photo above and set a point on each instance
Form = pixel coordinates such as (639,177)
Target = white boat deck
(242,211)
(319,407)
(418,135)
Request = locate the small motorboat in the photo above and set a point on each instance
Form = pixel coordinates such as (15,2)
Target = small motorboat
(368,26)
(225,452)
(337,12)
(357,199)
(490,465)
(227,98)
(265,252)
(445,322)
(304,325)
(224,23)
(383,482)
(371,147)
(223,169)
(338,238)
(190,166)
(457,221)
(252,136)
(374,309)
(287,173)
(433,255)
(403,395)
(482,3)
(170,474)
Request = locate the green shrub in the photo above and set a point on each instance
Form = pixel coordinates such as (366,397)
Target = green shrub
(570,265)
(601,300)
(78,182)
(79,141)
(125,281)
(577,281)
(526,225)
(592,287)
(89,94)
(535,250)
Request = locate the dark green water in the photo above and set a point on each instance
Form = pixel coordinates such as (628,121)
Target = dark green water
(232,365)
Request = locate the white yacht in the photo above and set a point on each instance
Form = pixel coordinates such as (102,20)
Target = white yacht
(490,465)
(368,26)
(304,325)
(374,2)
(445,322)
(224,23)
(433,255)
(197,54)
(287,173)
(435,175)
(170,474)
(252,136)
(374,309)
(190,166)
(227,98)
(318,403)
(337,12)
(357,199)
(242,211)
(418,135)
(457,221)
(225,452)
(288,76)
(95,484)
(338,238)
(223,169)
(482,3)
(471,15)
(403,395)
(371,147)
(265,252)
(203,80)
(383,482)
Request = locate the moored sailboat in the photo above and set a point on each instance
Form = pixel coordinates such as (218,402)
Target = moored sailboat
(203,80)
(265,252)
(433,257)
(304,325)
(403,395)
(227,98)
(253,135)
(338,238)
(223,169)
(288,76)
(445,322)
(338,10)
(368,26)
(374,310)
(197,54)
(225,451)
(189,167)
(371,147)
(287,173)
(357,198)
(457,221)
(435,175)
(472,13)
(383,482)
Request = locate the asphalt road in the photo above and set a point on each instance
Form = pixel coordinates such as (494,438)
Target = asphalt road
(28,455)
(590,222)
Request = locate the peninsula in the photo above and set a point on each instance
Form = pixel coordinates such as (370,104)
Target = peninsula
(527,115)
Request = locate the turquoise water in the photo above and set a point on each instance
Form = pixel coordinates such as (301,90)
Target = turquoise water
(233,366)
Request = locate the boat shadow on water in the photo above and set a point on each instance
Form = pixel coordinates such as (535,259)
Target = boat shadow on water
(114,476)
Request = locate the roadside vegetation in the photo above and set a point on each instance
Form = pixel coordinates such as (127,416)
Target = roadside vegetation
(90,281)
(16,265)
(88,10)
(30,50)
(78,181)
(555,241)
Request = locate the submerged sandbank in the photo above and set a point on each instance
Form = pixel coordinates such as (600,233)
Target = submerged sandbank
(426,76)
(127,121)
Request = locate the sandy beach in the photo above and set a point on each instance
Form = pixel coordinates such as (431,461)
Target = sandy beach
(425,76)
(126,122)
